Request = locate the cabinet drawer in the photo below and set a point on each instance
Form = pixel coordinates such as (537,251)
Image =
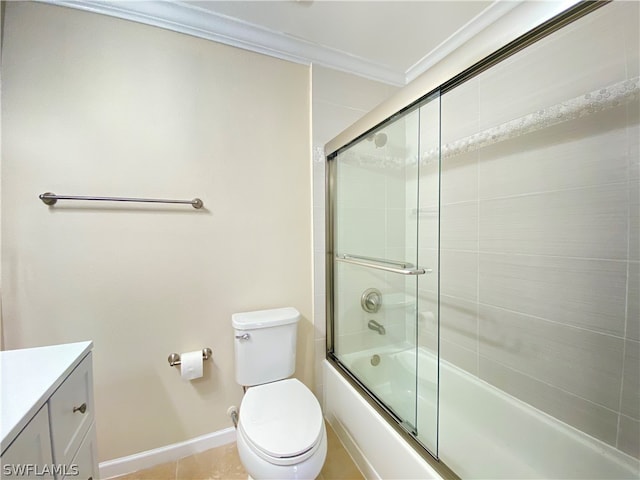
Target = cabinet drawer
(71,412)
(30,450)
(85,463)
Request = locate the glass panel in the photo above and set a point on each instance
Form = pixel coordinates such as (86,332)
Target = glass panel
(540,259)
(428,216)
(385,331)
(375,242)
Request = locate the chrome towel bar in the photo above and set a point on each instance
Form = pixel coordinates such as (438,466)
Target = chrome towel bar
(51,198)
(403,268)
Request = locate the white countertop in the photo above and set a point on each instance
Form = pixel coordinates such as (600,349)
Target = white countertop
(28,378)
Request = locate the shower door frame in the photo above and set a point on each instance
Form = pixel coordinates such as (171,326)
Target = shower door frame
(399,423)
(554,24)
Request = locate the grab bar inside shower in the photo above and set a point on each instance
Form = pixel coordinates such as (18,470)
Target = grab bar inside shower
(393,266)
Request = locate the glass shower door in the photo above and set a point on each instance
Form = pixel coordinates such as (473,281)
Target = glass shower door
(375,192)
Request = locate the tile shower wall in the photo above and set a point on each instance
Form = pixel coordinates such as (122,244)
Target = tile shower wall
(339,99)
(539,233)
(372,221)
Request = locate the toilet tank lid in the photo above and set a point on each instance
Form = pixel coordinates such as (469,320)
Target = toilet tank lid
(264,318)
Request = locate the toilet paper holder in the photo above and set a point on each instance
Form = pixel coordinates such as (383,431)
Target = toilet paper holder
(174,358)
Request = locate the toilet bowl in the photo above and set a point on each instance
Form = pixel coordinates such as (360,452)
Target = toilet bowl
(280,432)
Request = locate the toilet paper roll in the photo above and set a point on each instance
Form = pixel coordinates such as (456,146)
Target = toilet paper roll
(191,365)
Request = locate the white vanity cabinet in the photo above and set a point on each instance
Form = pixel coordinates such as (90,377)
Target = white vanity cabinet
(47,418)
(32,447)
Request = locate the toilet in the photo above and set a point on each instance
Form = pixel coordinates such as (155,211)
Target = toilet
(281,432)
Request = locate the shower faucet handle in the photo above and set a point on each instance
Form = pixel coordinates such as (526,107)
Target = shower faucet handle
(371,300)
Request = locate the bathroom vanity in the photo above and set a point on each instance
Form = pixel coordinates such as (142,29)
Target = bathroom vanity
(47,422)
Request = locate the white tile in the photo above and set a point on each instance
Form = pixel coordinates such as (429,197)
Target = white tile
(634,219)
(558,355)
(361,188)
(585,293)
(459,356)
(429,185)
(630,404)
(585,222)
(319,233)
(583,60)
(633,145)
(427,306)
(460,112)
(320,348)
(319,184)
(428,341)
(582,414)
(459,226)
(319,259)
(459,274)
(428,226)
(396,226)
(319,315)
(574,154)
(428,259)
(460,178)
(358,232)
(459,322)
(627,12)
(629,436)
(633,302)
(396,188)
(430,121)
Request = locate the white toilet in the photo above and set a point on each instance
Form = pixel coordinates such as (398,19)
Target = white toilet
(281,433)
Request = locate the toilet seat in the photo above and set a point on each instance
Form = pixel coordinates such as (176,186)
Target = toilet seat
(281,421)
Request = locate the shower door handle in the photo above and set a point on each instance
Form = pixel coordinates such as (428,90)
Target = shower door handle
(402,268)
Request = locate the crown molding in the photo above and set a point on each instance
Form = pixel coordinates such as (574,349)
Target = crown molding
(199,22)
(465,33)
(202,23)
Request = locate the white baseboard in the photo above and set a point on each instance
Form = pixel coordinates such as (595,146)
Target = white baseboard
(168,453)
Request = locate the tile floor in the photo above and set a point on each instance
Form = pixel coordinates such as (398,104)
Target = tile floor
(223,463)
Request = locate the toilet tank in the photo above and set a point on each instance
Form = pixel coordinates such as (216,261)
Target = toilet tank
(265,345)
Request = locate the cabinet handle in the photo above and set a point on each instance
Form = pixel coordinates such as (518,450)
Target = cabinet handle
(82,408)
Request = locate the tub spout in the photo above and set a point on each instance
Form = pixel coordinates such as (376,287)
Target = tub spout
(373,325)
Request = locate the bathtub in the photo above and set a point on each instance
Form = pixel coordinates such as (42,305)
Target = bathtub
(393,379)
(483,432)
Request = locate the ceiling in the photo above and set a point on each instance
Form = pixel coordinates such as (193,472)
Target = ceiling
(388,41)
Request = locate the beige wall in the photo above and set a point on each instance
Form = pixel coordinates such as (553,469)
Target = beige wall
(98,106)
